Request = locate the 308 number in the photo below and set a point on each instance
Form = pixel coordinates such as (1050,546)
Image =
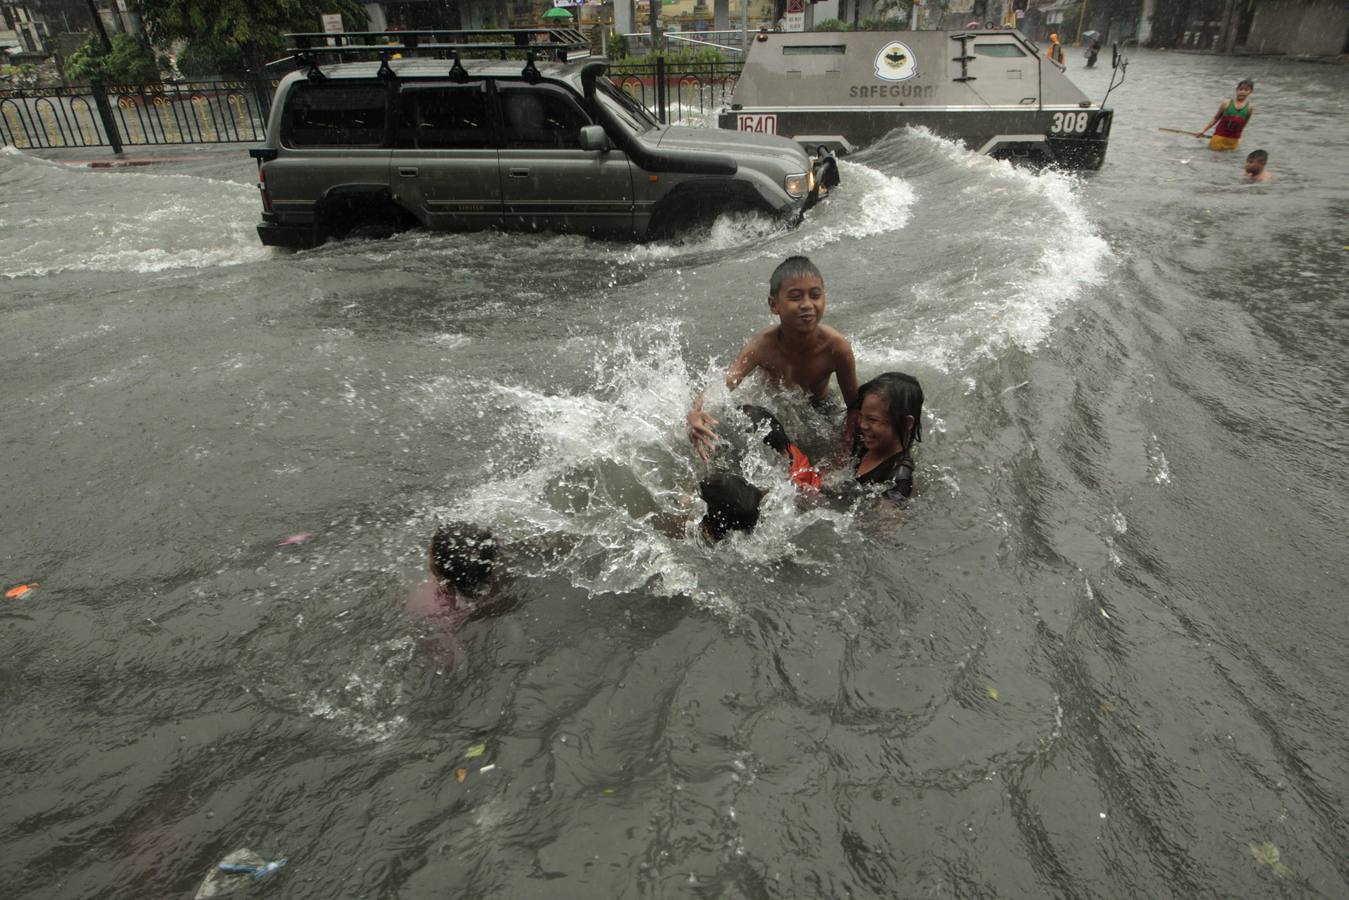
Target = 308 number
(1069,123)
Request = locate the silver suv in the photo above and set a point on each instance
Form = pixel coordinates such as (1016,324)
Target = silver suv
(495,143)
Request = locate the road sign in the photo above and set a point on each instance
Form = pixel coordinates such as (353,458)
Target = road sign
(796,6)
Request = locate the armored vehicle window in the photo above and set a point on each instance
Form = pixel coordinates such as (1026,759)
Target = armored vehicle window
(813,49)
(541,117)
(327,114)
(443,117)
(998,50)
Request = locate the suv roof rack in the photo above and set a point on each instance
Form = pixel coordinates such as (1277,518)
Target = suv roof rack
(554,42)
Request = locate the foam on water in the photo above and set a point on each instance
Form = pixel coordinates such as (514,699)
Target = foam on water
(597,468)
(870,203)
(143,221)
(985,293)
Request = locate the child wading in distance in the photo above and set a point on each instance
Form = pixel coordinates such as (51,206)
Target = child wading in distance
(1231,118)
(799,351)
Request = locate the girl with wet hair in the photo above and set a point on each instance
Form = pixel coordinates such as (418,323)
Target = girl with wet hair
(889,424)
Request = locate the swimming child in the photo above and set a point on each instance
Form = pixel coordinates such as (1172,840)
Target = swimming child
(1256,161)
(799,351)
(1231,118)
(463,560)
(889,425)
(732,505)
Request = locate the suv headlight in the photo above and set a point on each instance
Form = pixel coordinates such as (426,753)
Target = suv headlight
(799,185)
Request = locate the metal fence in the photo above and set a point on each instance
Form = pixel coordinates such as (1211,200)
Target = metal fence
(198,112)
(678,93)
(217,112)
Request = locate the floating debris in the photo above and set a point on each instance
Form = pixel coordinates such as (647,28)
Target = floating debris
(992,691)
(460,774)
(1268,854)
(475,751)
(240,869)
(295,540)
(19,591)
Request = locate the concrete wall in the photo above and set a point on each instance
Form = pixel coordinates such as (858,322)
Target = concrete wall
(1302,27)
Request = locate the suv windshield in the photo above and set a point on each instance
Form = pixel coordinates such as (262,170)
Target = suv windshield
(629,111)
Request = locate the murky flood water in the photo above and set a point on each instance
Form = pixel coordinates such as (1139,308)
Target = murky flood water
(1102,654)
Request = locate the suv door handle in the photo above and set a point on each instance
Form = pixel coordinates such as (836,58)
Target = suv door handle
(519,173)
(407,171)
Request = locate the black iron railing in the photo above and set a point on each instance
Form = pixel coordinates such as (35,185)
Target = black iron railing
(96,115)
(678,93)
(217,112)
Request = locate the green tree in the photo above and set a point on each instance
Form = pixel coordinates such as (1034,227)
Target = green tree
(199,60)
(255,27)
(129,62)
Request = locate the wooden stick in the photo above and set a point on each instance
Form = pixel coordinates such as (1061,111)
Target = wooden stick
(1179,131)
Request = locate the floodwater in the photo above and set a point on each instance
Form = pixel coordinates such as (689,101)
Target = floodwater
(1103,654)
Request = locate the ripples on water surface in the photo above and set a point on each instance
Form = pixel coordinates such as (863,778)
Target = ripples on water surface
(1102,655)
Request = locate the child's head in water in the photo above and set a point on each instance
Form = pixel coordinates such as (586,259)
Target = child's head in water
(891,412)
(462,556)
(1256,161)
(732,504)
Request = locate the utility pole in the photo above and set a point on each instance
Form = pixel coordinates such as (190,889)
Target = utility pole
(1227,33)
(98,25)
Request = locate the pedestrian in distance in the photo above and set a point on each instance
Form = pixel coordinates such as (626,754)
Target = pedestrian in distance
(1055,52)
(1231,118)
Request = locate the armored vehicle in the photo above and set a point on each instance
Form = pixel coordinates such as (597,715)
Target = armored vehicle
(540,141)
(992,90)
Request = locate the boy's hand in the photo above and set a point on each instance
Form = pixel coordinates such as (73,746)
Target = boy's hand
(701,435)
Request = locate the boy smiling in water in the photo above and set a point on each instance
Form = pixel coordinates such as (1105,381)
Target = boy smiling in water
(799,351)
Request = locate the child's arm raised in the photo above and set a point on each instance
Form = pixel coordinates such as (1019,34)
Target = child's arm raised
(701,434)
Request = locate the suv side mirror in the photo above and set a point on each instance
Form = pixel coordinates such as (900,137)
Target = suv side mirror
(594,138)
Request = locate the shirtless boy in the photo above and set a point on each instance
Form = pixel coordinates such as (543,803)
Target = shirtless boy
(797,352)
(1256,161)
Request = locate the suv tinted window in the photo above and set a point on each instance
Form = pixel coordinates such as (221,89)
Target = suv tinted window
(628,110)
(344,114)
(450,116)
(539,116)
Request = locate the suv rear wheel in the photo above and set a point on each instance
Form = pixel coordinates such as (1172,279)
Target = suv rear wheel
(360,213)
